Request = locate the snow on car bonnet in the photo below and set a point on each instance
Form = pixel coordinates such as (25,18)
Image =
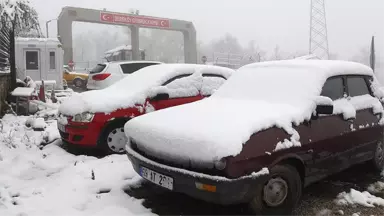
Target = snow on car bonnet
(256,97)
(133,89)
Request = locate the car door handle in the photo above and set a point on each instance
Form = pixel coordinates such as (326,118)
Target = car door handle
(310,151)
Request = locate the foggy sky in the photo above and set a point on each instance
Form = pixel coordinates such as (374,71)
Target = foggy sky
(351,23)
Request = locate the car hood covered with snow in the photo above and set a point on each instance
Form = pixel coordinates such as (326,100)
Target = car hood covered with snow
(134,89)
(255,98)
(206,130)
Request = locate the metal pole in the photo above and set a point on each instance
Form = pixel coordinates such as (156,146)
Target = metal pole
(46,27)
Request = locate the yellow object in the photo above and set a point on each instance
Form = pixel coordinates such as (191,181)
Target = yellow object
(71,76)
(205,187)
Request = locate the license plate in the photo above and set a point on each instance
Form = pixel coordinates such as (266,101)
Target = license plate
(61,127)
(157,178)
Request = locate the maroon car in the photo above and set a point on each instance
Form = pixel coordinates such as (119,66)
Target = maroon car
(270,130)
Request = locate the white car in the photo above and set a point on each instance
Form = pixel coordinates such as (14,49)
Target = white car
(105,74)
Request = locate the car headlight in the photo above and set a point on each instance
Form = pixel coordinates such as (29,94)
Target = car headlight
(83,117)
(220,164)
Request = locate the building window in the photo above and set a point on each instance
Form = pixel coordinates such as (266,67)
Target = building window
(52,61)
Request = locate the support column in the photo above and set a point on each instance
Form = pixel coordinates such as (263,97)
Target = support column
(135,42)
(64,31)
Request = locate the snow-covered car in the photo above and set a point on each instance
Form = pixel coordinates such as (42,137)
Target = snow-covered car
(77,79)
(105,74)
(97,118)
(269,130)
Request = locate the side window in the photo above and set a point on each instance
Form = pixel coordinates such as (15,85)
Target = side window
(357,86)
(211,82)
(186,85)
(52,60)
(133,67)
(333,88)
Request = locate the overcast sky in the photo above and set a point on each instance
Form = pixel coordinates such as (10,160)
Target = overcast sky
(351,23)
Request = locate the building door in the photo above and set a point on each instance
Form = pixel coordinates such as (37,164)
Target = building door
(32,64)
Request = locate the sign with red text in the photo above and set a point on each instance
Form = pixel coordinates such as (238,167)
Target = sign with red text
(134,20)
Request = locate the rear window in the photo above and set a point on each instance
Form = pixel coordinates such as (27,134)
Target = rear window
(97,69)
(132,67)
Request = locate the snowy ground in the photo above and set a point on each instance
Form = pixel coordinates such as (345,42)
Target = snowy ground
(37,180)
(47,180)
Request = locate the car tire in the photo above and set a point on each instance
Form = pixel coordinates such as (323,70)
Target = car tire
(378,159)
(113,139)
(280,193)
(79,83)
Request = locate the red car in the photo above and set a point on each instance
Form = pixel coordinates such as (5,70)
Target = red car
(96,118)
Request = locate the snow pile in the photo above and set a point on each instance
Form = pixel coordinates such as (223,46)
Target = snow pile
(360,198)
(376,188)
(256,97)
(136,88)
(52,182)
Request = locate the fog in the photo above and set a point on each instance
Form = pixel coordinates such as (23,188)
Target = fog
(269,23)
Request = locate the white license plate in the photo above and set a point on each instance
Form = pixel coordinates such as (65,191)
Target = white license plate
(157,178)
(61,127)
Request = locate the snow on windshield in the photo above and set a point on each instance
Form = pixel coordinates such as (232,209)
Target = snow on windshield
(273,84)
(134,89)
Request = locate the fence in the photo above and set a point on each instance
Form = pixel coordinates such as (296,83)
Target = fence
(5,84)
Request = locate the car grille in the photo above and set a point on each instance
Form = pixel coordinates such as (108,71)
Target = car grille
(213,172)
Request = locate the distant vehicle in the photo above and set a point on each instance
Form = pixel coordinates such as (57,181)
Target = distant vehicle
(122,53)
(97,118)
(77,79)
(270,130)
(105,74)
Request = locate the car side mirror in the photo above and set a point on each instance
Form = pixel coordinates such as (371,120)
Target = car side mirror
(324,109)
(161,96)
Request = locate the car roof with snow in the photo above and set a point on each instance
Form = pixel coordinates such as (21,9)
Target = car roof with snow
(257,97)
(136,88)
(328,67)
(131,62)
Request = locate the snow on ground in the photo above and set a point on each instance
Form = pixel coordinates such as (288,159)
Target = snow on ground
(38,180)
(360,198)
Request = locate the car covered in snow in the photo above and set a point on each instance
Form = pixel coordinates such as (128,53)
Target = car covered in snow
(105,74)
(97,118)
(269,130)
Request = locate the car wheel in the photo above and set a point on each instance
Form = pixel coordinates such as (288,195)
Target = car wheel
(280,192)
(78,83)
(113,140)
(378,160)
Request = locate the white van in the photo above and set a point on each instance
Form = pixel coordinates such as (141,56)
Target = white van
(105,74)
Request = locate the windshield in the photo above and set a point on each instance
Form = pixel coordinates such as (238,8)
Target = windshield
(272,84)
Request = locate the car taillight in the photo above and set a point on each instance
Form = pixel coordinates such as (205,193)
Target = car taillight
(102,76)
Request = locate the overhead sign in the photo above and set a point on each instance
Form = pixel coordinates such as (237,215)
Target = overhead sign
(134,20)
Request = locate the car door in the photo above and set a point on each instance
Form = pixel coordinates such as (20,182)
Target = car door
(181,89)
(367,129)
(211,82)
(328,134)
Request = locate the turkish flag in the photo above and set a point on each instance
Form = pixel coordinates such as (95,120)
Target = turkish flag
(106,17)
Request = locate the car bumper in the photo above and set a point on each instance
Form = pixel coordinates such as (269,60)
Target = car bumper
(227,191)
(86,134)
